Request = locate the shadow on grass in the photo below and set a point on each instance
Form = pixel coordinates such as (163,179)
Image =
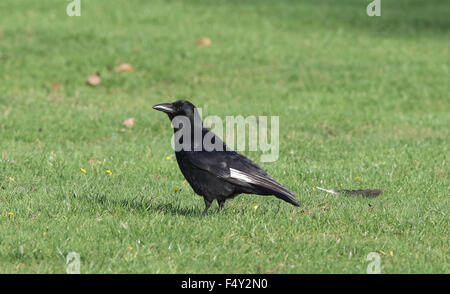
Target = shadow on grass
(141,205)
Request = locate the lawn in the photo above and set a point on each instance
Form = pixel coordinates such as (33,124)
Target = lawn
(363,102)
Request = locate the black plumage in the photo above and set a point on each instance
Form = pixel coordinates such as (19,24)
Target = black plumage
(218,175)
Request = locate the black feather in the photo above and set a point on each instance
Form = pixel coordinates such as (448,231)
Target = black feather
(365,193)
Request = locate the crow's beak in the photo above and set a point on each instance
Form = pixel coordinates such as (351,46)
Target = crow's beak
(164,107)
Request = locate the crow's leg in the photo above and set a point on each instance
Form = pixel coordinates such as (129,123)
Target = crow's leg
(207,205)
(221,204)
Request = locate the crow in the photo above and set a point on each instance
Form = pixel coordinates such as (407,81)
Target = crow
(221,173)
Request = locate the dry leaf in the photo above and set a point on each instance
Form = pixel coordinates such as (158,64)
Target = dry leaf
(204,42)
(56,87)
(325,208)
(93,161)
(129,122)
(94,79)
(124,67)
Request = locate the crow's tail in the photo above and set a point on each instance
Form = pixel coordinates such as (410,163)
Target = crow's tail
(265,185)
(365,193)
(271,187)
(286,196)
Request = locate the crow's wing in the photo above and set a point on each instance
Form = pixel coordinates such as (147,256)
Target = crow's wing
(240,171)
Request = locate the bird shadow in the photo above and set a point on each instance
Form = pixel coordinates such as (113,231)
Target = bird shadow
(142,205)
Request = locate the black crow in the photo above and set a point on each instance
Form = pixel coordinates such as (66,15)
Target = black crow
(218,174)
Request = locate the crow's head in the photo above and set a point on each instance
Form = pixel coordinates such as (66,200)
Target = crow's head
(177,108)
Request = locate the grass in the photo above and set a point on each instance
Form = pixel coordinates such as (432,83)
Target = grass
(363,102)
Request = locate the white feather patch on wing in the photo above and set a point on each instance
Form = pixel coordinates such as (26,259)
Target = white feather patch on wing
(326,190)
(237,174)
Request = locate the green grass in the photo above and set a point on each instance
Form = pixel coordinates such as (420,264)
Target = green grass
(363,102)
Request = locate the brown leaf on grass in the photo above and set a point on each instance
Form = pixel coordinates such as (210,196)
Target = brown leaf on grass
(129,122)
(124,67)
(204,42)
(325,208)
(93,161)
(56,87)
(94,79)
(306,211)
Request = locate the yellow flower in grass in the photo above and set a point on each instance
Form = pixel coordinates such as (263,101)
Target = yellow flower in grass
(255,207)
(176,190)
(168,157)
(11,179)
(109,172)
(391,253)
(130,248)
(11,213)
(83,170)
